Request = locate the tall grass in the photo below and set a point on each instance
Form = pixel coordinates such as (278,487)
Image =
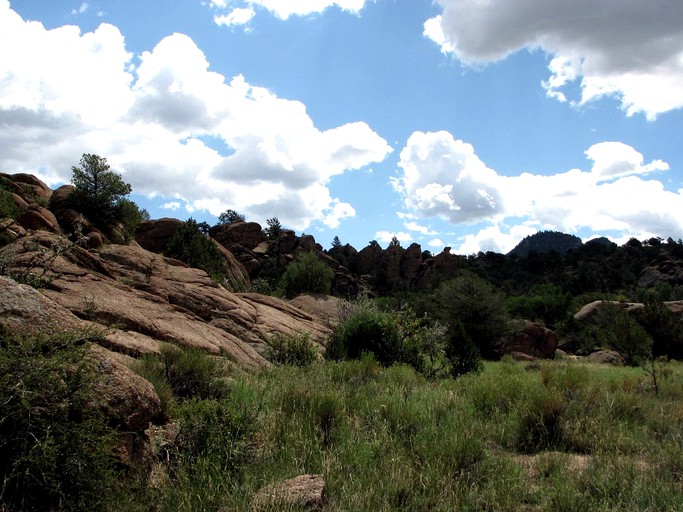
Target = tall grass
(554,436)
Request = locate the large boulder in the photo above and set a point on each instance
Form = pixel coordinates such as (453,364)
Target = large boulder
(247,235)
(38,217)
(153,235)
(531,339)
(32,189)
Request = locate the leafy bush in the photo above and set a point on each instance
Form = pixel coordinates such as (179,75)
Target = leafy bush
(216,431)
(292,349)
(55,448)
(366,331)
(8,207)
(472,302)
(306,274)
(618,330)
(461,352)
(190,245)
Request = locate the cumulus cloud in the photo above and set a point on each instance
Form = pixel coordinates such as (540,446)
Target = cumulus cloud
(630,49)
(241,12)
(443,177)
(151,121)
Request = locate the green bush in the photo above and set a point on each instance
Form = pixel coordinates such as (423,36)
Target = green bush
(306,274)
(292,349)
(474,303)
(55,447)
(8,207)
(461,352)
(366,331)
(190,245)
(216,431)
(618,330)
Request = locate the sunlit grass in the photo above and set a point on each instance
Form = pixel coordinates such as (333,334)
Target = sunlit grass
(554,436)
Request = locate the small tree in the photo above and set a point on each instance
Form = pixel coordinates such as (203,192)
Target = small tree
(274,228)
(230,216)
(98,191)
(336,243)
(472,302)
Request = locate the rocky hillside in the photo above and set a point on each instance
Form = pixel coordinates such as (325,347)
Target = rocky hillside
(142,298)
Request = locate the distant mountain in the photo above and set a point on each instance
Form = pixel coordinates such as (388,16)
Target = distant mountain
(546,241)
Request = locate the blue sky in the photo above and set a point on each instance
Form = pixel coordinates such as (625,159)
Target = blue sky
(450,123)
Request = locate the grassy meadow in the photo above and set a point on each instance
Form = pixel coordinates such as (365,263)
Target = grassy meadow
(556,436)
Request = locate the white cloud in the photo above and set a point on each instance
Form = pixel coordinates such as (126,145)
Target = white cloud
(615,159)
(149,122)
(443,177)
(83,8)
(236,17)
(171,205)
(630,49)
(387,236)
(423,230)
(241,12)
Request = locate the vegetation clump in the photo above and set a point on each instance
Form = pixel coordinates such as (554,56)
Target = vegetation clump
(55,447)
(100,194)
(306,274)
(192,246)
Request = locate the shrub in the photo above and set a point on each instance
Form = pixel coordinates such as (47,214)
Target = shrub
(8,207)
(472,302)
(461,352)
(368,331)
(619,331)
(55,448)
(190,245)
(306,274)
(292,349)
(215,431)
(540,423)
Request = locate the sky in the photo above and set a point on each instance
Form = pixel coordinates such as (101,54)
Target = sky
(467,124)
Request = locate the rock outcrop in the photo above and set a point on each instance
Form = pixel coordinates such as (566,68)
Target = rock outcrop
(533,340)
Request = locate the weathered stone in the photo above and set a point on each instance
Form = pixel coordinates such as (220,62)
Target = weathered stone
(532,339)
(153,235)
(25,311)
(59,200)
(245,234)
(39,218)
(32,189)
(412,260)
(605,357)
(324,308)
(306,491)
(125,397)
